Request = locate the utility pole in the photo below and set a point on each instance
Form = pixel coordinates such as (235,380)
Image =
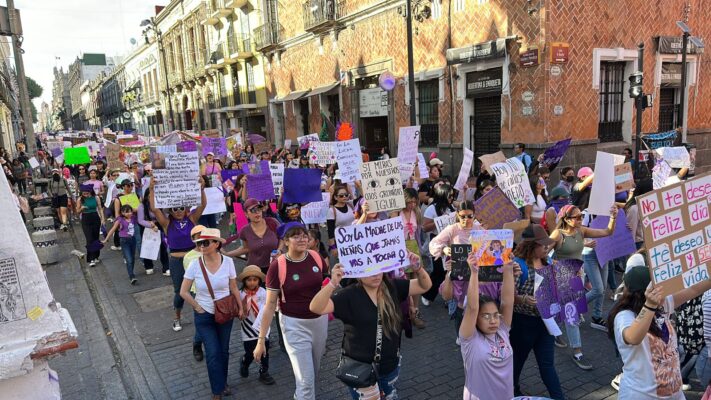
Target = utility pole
(411,66)
(682,121)
(24,95)
(640,110)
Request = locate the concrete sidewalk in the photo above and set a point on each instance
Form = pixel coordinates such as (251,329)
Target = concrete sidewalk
(128,349)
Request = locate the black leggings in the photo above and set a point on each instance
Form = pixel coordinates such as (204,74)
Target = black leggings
(249,346)
(91,225)
(437,277)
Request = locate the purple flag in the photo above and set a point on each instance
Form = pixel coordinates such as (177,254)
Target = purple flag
(555,153)
(302,185)
(259,180)
(619,244)
(254,138)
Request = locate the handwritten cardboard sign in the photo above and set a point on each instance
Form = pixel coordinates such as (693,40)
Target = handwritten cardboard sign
(304,141)
(494,209)
(460,267)
(287,144)
(554,154)
(660,174)
(259,180)
(261,147)
(444,221)
(382,187)
(113,156)
(559,291)
(277,171)
(512,178)
(422,166)
(349,160)
(233,141)
(464,170)
(322,153)
(369,249)
(624,180)
(217,146)
(487,160)
(177,184)
(493,249)
(676,157)
(677,233)
(316,212)
(408,141)
(619,244)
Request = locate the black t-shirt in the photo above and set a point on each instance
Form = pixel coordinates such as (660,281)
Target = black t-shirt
(580,198)
(360,321)
(426,187)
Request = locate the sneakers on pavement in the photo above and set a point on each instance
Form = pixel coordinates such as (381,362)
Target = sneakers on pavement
(425,302)
(581,362)
(417,320)
(599,324)
(166,273)
(176,325)
(266,379)
(115,248)
(197,350)
(134,281)
(92,263)
(616,382)
(149,271)
(560,342)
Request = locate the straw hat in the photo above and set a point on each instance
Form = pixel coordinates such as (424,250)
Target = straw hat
(209,234)
(251,270)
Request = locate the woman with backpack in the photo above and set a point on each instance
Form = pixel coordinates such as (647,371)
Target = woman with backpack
(259,237)
(372,326)
(294,279)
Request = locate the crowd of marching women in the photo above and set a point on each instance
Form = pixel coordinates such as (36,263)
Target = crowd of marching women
(294,277)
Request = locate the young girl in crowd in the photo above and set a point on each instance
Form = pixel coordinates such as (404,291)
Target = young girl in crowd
(484,336)
(254,298)
(126,224)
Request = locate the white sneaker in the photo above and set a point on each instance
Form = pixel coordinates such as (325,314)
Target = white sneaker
(425,302)
(149,271)
(685,387)
(176,325)
(166,273)
(115,248)
(616,382)
(459,343)
(92,263)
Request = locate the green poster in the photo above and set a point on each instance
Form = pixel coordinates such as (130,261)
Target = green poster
(76,155)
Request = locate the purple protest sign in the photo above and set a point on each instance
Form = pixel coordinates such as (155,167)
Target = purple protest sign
(259,180)
(216,146)
(302,185)
(546,292)
(186,146)
(229,174)
(619,244)
(560,292)
(555,153)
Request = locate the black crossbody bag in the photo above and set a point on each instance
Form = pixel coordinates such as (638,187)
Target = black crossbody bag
(358,374)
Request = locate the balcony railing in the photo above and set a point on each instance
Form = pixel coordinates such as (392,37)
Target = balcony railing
(239,46)
(268,36)
(321,15)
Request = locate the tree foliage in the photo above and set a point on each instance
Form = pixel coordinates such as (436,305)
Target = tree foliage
(33,88)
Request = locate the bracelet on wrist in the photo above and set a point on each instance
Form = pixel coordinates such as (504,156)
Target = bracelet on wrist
(655,309)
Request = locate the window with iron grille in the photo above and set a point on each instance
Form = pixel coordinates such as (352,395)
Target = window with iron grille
(251,88)
(428,112)
(612,86)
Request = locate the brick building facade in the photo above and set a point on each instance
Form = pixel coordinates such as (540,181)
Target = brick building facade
(478,82)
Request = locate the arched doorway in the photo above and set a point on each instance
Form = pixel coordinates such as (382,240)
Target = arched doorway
(188,114)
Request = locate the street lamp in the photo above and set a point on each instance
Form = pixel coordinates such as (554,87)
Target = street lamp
(636,92)
(686,37)
(151,25)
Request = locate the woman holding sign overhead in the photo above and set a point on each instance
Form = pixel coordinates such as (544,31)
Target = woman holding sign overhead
(372,326)
(442,204)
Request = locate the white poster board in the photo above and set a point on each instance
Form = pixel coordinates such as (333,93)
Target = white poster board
(316,212)
(369,249)
(408,141)
(512,178)
(382,187)
(150,244)
(349,160)
(602,194)
(277,171)
(465,169)
(215,201)
(177,185)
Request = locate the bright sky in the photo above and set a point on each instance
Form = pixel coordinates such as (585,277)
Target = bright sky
(68,28)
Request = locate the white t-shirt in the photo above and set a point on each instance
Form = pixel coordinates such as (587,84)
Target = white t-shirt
(651,368)
(220,282)
(539,207)
(252,320)
(341,218)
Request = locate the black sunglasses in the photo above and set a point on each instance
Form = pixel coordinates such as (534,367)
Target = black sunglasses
(204,243)
(468,216)
(255,210)
(342,195)
(176,209)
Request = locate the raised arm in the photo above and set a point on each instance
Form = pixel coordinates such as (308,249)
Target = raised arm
(160,217)
(598,233)
(507,294)
(422,281)
(471,310)
(636,332)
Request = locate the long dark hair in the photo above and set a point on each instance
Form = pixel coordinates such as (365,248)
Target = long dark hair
(533,182)
(632,301)
(388,308)
(441,195)
(525,251)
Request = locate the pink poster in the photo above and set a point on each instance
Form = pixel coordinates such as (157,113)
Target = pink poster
(240,217)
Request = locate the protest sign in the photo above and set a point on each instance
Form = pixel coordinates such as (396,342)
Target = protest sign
(554,154)
(658,140)
(494,209)
(444,221)
(406,171)
(76,155)
(316,212)
(261,147)
(382,187)
(277,171)
(660,174)
(233,141)
(55,148)
(369,249)
(240,217)
(150,244)
(421,165)
(302,185)
(464,170)
(215,201)
(493,248)
(322,153)
(677,233)
(349,160)
(34,163)
(408,141)
(186,145)
(512,178)
(619,244)
(602,194)
(304,141)
(487,160)
(676,157)
(177,185)
(517,227)
(216,146)
(624,180)
(287,144)
(113,156)
(460,267)
(259,180)
(559,291)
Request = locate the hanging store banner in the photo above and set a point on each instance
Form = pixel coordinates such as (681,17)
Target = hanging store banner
(673,45)
(478,52)
(671,75)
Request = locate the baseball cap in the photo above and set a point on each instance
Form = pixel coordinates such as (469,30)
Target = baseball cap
(636,276)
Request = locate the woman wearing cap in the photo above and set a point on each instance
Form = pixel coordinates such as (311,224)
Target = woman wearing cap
(259,237)
(176,226)
(59,190)
(426,187)
(305,332)
(645,336)
(570,243)
(220,271)
(528,332)
(366,308)
(580,195)
(92,217)
(442,204)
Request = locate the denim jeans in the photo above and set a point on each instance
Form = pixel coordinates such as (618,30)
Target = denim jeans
(176,275)
(598,278)
(216,339)
(128,248)
(385,386)
(703,366)
(529,333)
